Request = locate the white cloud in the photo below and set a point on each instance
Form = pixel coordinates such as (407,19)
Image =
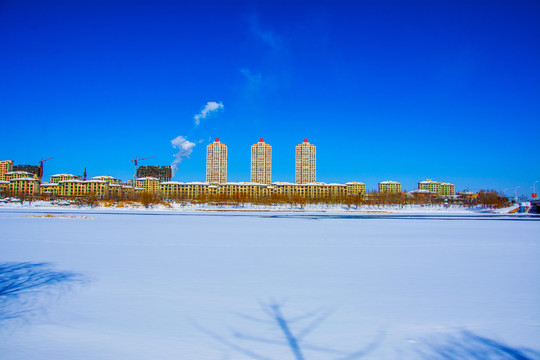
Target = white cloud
(208,109)
(185,148)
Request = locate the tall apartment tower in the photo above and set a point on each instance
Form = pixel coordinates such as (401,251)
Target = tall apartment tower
(261,162)
(306,164)
(216,162)
(5,166)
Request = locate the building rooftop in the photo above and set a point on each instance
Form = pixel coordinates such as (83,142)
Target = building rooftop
(103,177)
(25,179)
(72,181)
(63,174)
(420,191)
(428,181)
(18,172)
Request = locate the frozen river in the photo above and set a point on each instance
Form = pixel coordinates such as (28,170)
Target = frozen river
(166,286)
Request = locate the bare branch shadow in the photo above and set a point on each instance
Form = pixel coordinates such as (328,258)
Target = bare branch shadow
(23,284)
(469,346)
(294,341)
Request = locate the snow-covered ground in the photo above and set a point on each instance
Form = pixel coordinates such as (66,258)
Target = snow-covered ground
(161,283)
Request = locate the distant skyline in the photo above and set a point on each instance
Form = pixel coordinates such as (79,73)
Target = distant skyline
(386,90)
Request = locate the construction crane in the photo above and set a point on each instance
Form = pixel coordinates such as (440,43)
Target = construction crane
(135,173)
(41,167)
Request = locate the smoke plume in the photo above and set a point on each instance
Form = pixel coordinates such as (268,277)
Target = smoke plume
(208,109)
(185,148)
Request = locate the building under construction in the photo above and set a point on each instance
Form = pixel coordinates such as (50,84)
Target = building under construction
(163,173)
(34,169)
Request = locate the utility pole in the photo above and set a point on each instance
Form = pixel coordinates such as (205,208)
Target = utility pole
(516,198)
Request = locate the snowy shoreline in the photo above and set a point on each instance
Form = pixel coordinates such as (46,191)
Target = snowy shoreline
(281,210)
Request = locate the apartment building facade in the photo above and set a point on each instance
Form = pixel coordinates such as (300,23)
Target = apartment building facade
(305,163)
(436,187)
(390,187)
(216,162)
(261,163)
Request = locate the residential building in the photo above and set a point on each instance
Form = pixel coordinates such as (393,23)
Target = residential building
(305,163)
(18,175)
(5,167)
(355,188)
(311,191)
(436,187)
(107,178)
(63,177)
(49,189)
(389,187)
(98,188)
(71,188)
(148,184)
(430,185)
(162,173)
(33,169)
(23,186)
(261,163)
(4,187)
(447,189)
(216,162)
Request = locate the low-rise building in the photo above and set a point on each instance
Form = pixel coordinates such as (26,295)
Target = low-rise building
(312,191)
(50,189)
(436,187)
(23,186)
(448,189)
(63,177)
(72,188)
(19,175)
(355,188)
(390,187)
(149,184)
(4,187)
(98,188)
(35,170)
(107,178)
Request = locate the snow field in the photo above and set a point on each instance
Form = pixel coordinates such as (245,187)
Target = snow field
(156,280)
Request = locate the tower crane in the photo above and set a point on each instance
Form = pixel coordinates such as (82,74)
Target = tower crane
(135,162)
(41,167)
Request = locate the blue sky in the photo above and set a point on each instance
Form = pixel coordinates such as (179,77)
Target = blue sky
(400,90)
